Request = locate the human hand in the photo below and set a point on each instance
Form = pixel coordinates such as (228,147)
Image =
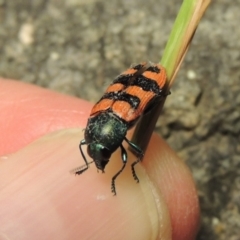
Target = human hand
(40,199)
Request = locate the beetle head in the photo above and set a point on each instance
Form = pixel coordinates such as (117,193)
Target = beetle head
(99,154)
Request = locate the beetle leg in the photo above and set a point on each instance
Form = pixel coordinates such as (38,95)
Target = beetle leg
(139,153)
(85,167)
(124,160)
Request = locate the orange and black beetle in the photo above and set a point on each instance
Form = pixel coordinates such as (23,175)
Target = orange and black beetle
(132,94)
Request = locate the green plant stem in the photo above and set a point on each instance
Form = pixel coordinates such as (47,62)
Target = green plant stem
(181,35)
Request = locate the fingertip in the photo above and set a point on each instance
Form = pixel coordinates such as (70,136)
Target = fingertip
(27,112)
(171,184)
(73,206)
(174,180)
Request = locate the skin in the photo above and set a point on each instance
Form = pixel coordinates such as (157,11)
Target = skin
(40,199)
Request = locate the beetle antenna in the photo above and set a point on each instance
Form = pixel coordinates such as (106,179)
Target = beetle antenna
(81,169)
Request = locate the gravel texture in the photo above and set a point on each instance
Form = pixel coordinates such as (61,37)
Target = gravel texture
(77,47)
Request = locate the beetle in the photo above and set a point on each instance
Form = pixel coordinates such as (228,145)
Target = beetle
(132,94)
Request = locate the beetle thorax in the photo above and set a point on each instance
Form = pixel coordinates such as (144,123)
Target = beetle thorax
(106,129)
